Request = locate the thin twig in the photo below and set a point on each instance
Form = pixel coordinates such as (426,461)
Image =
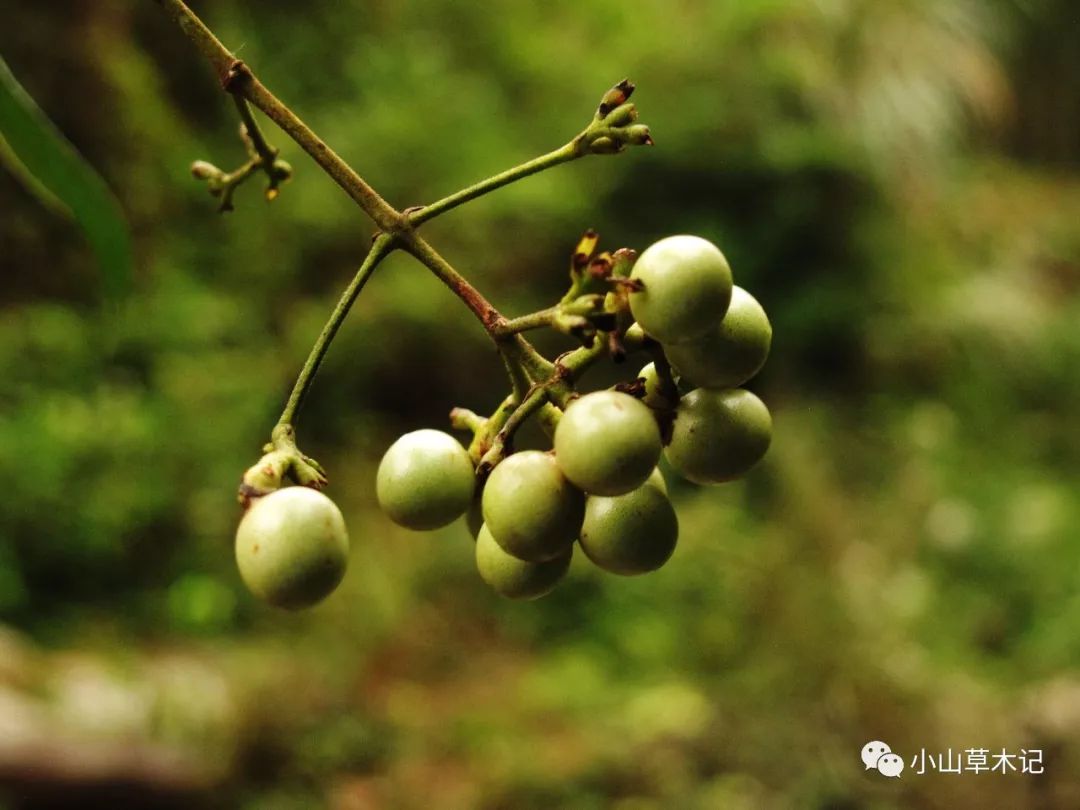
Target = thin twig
(382,245)
(238,79)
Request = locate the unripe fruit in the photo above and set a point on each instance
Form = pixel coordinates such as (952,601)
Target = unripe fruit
(718,435)
(474,518)
(652,397)
(530,508)
(607,442)
(656,479)
(730,354)
(291,547)
(634,337)
(632,533)
(687,287)
(425,480)
(514,578)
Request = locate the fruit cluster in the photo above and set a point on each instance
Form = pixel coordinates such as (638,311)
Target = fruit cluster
(600,486)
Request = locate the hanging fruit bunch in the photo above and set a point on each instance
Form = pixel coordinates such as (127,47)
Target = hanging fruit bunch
(599,487)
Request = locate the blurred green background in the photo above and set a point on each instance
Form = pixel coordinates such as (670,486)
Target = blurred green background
(897,181)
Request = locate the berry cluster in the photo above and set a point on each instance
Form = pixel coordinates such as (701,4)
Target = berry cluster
(600,486)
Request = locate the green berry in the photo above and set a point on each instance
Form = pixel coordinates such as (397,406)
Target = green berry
(425,480)
(635,336)
(632,533)
(652,397)
(607,442)
(687,287)
(730,354)
(530,508)
(514,578)
(718,435)
(291,547)
(474,518)
(656,479)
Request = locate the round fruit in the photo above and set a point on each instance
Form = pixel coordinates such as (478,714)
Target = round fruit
(687,287)
(474,518)
(607,442)
(425,480)
(656,479)
(291,547)
(730,354)
(718,435)
(653,398)
(530,508)
(516,578)
(632,533)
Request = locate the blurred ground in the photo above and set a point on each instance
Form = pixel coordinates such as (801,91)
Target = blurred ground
(897,182)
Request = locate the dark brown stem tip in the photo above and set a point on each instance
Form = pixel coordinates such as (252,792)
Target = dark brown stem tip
(235,73)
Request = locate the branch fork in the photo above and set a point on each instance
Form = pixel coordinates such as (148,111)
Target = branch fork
(538,384)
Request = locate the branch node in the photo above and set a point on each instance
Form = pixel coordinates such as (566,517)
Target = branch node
(235,73)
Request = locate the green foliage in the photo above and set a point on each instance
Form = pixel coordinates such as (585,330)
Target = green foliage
(52,169)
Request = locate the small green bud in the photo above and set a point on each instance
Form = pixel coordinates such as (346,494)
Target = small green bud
(585,305)
(201,170)
(270,472)
(638,134)
(605,146)
(265,476)
(622,262)
(621,116)
(281,170)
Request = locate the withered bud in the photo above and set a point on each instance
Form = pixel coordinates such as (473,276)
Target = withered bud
(615,97)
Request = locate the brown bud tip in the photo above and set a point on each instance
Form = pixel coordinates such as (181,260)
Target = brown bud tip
(638,134)
(585,248)
(600,267)
(271,194)
(615,97)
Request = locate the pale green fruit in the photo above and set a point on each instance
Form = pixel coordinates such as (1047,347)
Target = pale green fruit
(474,518)
(514,578)
(425,480)
(687,287)
(634,337)
(718,435)
(632,533)
(530,508)
(656,479)
(730,354)
(653,398)
(607,442)
(291,547)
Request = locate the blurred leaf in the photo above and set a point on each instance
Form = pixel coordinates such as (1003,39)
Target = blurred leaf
(41,152)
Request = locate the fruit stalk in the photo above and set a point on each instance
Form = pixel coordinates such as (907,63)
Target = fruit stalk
(382,246)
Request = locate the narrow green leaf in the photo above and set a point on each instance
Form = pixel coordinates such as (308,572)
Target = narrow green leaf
(46,155)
